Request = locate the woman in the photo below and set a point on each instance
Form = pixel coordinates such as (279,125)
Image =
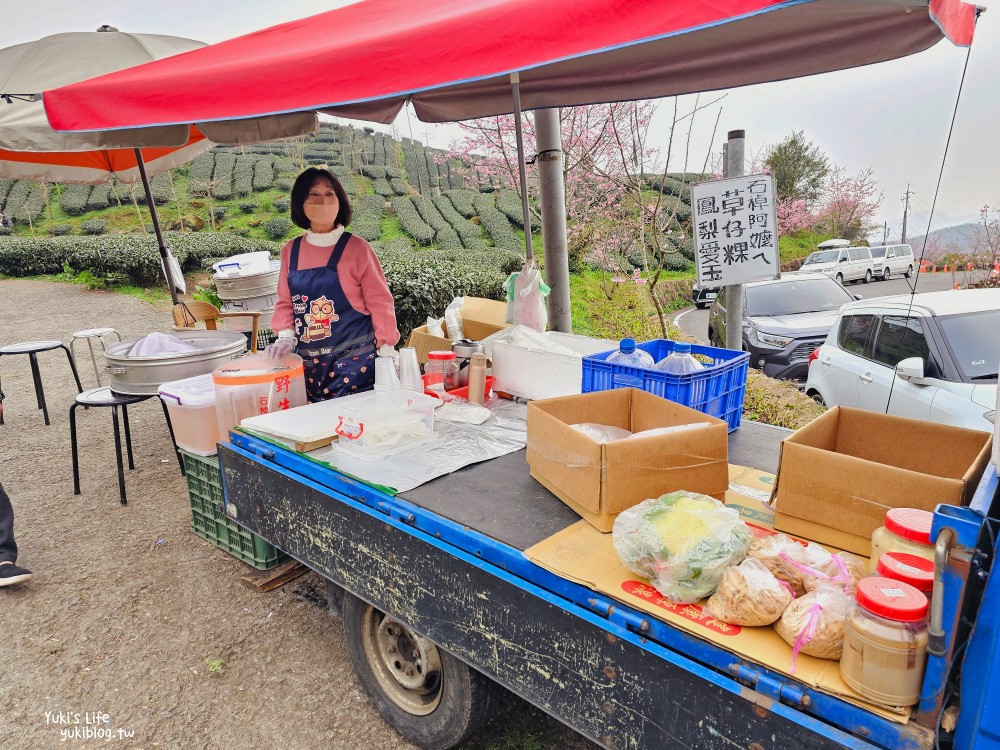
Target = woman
(334,306)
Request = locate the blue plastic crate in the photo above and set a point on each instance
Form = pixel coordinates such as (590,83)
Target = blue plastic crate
(717,390)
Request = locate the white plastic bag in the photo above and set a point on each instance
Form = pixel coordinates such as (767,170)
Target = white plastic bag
(682,542)
(453,319)
(602,433)
(435,327)
(814,624)
(526,305)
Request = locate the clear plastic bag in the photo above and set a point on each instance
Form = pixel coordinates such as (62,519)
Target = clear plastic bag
(602,433)
(682,542)
(453,319)
(842,569)
(749,595)
(435,327)
(814,624)
(789,560)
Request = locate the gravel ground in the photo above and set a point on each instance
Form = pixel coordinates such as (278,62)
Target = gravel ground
(134,623)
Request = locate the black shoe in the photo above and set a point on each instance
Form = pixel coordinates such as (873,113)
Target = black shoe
(11,574)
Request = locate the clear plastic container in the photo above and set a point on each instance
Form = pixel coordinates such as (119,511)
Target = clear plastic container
(904,530)
(384,423)
(255,385)
(191,405)
(630,356)
(442,371)
(680,361)
(911,569)
(885,642)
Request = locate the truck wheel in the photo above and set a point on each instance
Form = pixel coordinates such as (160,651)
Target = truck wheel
(423,692)
(885,274)
(909,272)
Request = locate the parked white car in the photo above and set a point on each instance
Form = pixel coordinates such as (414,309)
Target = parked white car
(935,359)
(843,264)
(892,260)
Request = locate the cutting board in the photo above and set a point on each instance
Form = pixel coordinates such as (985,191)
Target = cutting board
(303,424)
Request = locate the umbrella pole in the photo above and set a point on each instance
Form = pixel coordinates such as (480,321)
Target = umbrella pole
(515,81)
(164,253)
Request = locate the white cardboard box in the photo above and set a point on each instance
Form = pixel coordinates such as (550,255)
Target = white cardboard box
(532,374)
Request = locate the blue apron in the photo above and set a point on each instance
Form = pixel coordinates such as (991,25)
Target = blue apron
(336,342)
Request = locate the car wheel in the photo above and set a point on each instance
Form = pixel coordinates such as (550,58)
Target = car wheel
(817,397)
(701,305)
(909,272)
(868,276)
(885,274)
(840,279)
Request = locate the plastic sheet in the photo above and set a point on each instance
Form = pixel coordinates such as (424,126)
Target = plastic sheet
(159,343)
(526,338)
(602,433)
(453,319)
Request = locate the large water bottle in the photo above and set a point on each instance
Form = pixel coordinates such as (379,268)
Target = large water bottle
(680,361)
(628,355)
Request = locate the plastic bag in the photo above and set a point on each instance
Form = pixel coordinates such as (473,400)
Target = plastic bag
(682,542)
(453,319)
(602,433)
(435,327)
(526,294)
(790,561)
(842,569)
(670,430)
(750,595)
(814,624)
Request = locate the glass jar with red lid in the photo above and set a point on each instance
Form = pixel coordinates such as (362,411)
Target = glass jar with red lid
(904,530)
(885,641)
(441,371)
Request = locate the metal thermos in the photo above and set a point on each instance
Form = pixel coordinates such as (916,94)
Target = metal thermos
(464,350)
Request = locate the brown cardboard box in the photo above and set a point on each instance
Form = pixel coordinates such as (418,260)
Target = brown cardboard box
(480,318)
(599,481)
(839,474)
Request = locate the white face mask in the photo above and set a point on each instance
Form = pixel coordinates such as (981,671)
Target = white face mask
(321,214)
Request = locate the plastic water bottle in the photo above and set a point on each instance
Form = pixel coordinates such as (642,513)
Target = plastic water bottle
(628,355)
(680,361)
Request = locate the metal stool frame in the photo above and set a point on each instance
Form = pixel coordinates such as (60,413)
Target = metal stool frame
(36,375)
(89,335)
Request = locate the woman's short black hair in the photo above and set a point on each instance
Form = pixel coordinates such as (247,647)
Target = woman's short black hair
(300,191)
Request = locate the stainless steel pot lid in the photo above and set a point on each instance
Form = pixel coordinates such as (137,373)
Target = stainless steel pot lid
(466,348)
(206,342)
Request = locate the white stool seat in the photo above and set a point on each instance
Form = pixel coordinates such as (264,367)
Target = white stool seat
(94,333)
(88,335)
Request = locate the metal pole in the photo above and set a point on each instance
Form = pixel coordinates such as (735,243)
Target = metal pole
(734,292)
(164,253)
(552,196)
(515,81)
(906,211)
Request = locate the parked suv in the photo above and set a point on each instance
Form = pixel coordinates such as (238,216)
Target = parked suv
(702,296)
(892,260)
(934,358)
(843,264)
(784,321)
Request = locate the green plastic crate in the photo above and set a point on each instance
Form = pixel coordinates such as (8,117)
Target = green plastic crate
(209,521)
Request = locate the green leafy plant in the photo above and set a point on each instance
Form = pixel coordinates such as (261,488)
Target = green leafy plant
(207,294)
(57,230)
(277,227)
(94,226)
(214,666)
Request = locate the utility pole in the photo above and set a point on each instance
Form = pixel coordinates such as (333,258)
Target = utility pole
(906,210)
(552,197)
(733,167)
(885,233)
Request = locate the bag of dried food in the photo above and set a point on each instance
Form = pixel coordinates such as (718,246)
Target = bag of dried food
(842,569)
(814,623)
(796,564)
(750,595)
(682,542)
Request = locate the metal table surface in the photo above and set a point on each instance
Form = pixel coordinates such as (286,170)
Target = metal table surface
(499,498)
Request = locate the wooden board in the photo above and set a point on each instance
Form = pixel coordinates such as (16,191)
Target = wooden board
(266,580)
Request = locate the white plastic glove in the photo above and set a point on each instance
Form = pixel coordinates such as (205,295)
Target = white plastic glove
(387,351)
(284,345)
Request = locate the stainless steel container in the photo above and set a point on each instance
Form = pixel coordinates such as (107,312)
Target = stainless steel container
(244,287)
(464,349)
(141,376)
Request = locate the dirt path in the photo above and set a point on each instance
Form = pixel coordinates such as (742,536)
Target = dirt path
(128,607)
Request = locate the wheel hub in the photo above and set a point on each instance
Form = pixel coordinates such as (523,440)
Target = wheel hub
(406,665)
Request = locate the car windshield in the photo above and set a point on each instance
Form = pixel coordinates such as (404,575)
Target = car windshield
(822,256)
(878,252)
(791,296)
(974,342)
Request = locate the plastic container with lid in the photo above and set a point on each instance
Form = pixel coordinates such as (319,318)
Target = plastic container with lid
(255,385)
(680,361)
(904,530)
(191,405)
(381,424)
(911,569)
(442,371)
(885,642)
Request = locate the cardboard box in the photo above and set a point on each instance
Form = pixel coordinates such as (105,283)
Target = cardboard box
(838,475)
(599,481)
(533,374)
(480,318)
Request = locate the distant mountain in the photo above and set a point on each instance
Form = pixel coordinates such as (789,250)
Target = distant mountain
(940,242)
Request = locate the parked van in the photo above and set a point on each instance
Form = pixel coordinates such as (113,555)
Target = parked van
(889,260)
(841,263)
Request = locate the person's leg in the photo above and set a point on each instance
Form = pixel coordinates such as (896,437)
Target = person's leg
(10,572)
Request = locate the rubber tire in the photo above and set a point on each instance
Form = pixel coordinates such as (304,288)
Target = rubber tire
(885,274)
(701,305)
(840,279)
(868,276)
(815,396)
(909,272)
(468,699)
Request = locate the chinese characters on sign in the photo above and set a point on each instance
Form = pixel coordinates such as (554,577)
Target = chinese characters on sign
(735,236)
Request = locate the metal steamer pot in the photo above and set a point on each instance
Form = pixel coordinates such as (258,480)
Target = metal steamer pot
(141,376)
(464,349)
(244,287)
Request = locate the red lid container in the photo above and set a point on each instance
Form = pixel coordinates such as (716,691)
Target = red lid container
(891,599)
(441,354)
(916,571)
(910,523)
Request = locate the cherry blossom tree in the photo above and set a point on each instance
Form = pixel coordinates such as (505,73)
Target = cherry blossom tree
(793,216)
(850,203)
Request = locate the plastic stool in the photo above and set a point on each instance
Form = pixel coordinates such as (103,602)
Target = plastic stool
(32,348)
(89,335)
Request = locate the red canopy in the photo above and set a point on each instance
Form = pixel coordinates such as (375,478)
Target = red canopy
(452,58)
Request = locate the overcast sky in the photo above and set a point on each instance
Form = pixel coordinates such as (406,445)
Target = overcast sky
(893,116)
